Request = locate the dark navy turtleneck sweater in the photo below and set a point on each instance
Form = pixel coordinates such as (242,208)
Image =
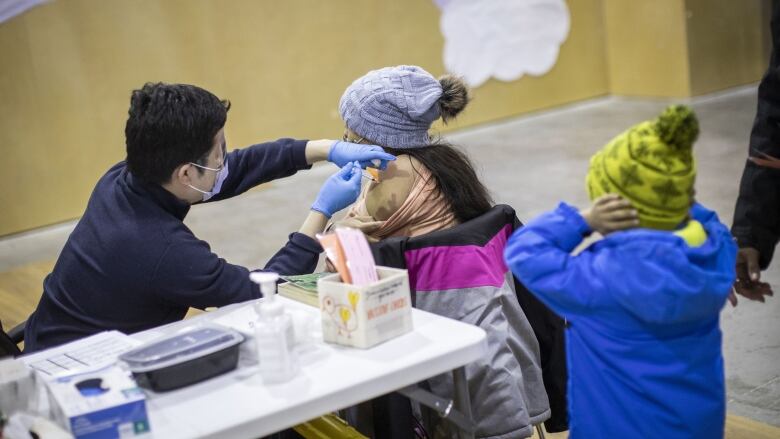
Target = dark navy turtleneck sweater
(131,264)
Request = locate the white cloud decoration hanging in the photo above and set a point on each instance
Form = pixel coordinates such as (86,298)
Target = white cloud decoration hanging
(504,39)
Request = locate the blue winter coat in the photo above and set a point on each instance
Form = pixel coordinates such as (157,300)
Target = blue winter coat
(643,342)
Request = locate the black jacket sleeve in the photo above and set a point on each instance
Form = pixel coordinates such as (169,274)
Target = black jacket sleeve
(193,275)
(757,213)
(261,163)
(299,256)
(190,274)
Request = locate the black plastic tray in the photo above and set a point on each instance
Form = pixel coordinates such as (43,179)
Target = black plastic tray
(189,372)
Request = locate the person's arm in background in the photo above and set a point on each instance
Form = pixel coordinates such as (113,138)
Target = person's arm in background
(756,224)
(539,253)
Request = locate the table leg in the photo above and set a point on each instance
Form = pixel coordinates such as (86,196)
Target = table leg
(462,401)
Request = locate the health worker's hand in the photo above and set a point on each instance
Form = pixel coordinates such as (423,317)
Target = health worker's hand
(342,153)
(340,190)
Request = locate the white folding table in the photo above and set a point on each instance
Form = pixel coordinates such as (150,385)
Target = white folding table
(239,405)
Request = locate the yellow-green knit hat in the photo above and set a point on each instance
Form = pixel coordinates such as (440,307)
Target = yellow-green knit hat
(652,166)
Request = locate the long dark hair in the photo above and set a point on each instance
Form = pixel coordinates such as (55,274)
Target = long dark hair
(455,176)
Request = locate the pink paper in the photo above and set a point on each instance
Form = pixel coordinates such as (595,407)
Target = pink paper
(360,260)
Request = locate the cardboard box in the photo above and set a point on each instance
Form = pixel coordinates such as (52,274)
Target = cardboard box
(366,315)
(103,404)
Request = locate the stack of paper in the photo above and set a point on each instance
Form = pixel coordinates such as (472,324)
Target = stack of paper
(302,288)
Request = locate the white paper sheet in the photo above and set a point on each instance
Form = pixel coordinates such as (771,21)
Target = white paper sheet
(90,353)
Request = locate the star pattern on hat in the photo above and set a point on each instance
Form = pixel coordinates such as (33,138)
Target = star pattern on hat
(642,150)
(666,191)
(664,160)
(605,187)
(629,176)
(613,151)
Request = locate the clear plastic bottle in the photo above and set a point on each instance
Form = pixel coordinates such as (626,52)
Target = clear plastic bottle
(273,333)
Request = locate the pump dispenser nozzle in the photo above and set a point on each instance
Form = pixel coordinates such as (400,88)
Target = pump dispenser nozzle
(267,282)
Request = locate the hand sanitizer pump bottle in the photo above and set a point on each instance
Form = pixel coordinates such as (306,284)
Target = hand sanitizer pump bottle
(273,332)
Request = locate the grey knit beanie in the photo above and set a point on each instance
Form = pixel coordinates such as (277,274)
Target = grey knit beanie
(393,106)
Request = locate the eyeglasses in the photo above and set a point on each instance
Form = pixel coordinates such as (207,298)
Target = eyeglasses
(221,166)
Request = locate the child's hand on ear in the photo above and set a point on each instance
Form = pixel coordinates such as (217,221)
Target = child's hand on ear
(610,213)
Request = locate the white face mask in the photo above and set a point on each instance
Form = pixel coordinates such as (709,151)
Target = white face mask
(222,174)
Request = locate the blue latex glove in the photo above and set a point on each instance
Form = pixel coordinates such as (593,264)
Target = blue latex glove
(340,190)
(342,153)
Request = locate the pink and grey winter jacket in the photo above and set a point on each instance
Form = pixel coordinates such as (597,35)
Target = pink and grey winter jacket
(460,273)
